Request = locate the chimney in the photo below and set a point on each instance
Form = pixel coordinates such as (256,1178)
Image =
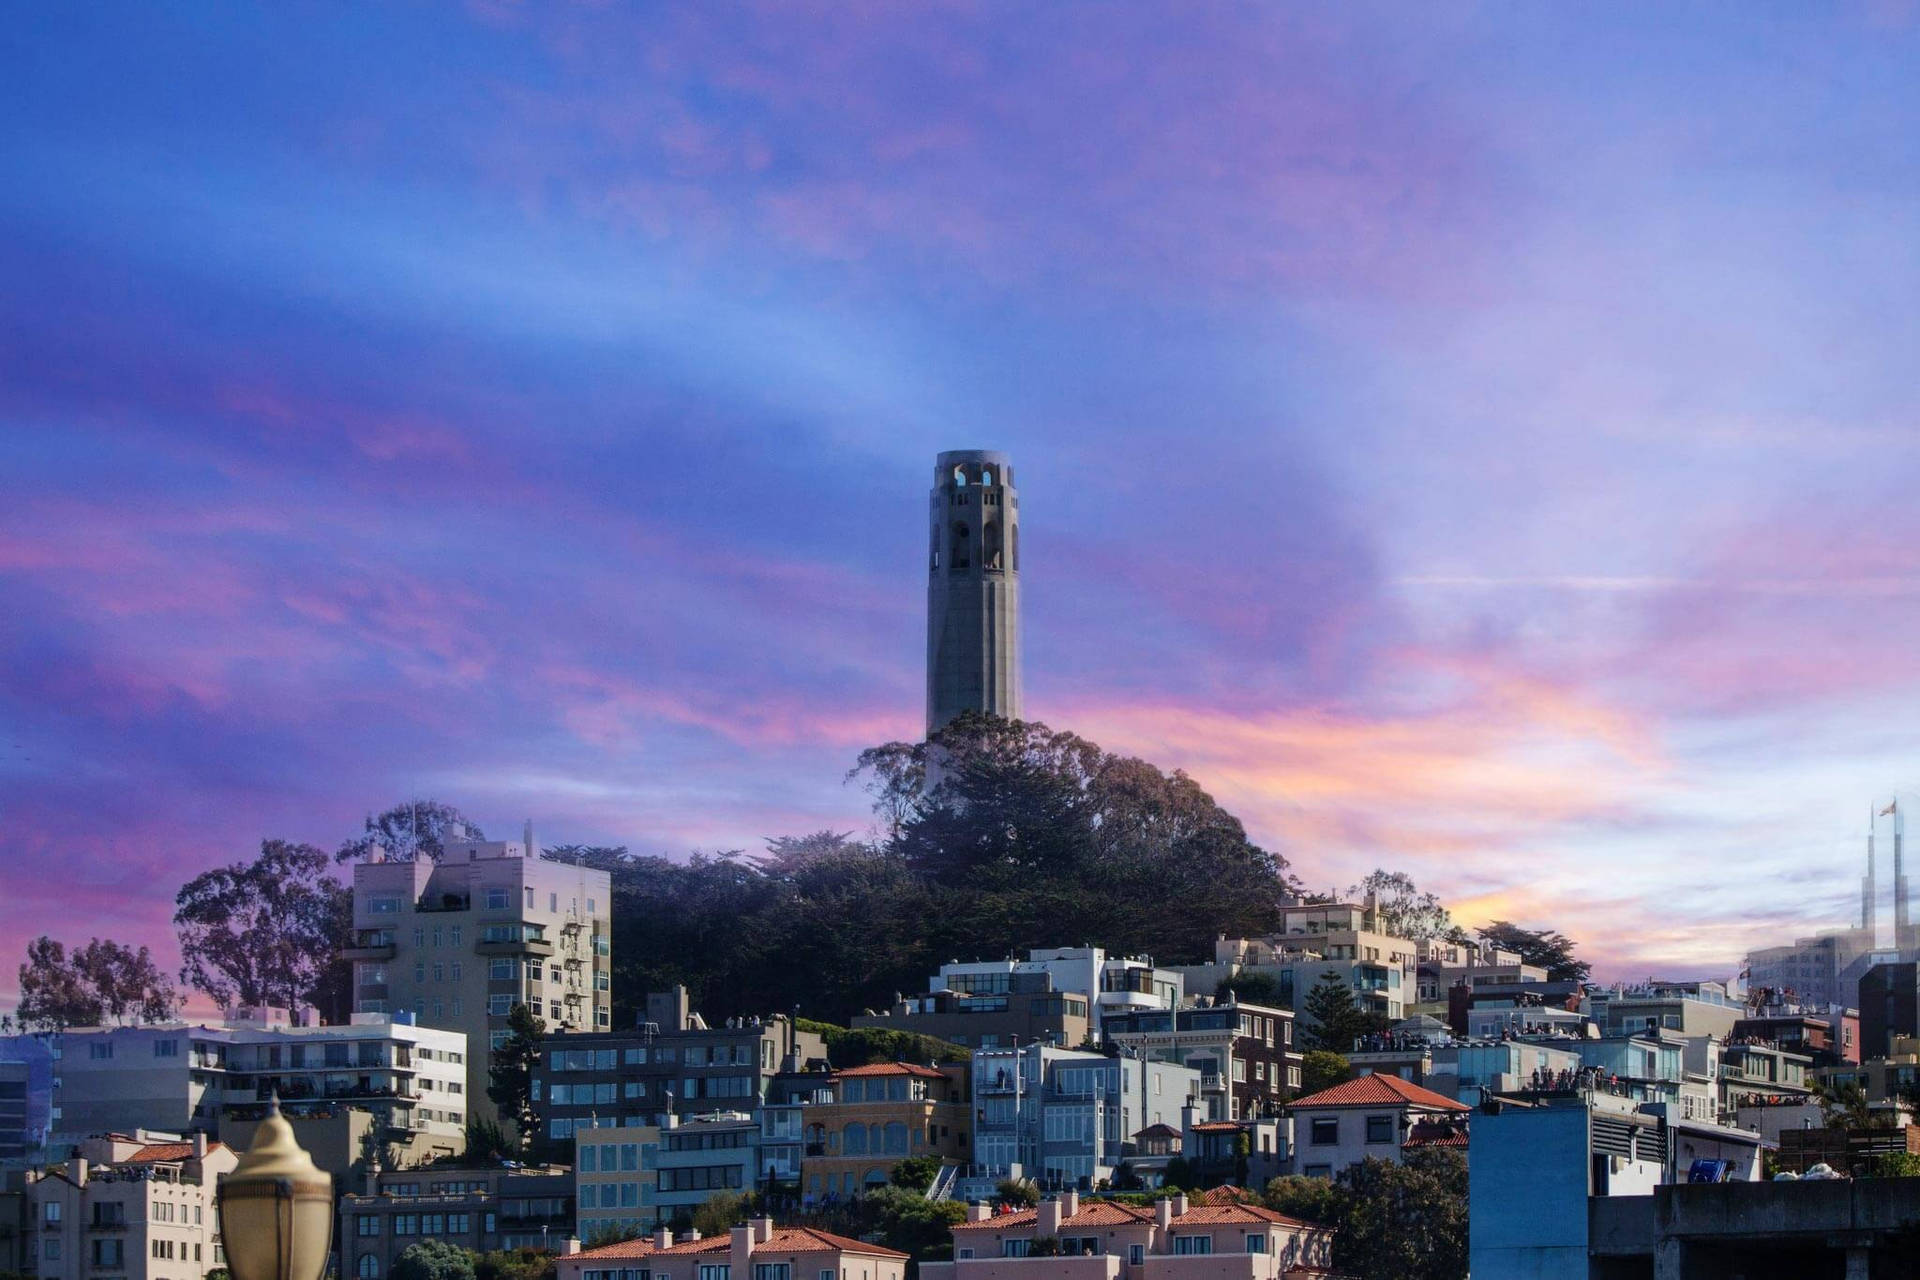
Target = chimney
(570,1245)
(199,1145)
(693,1234)
(1163,1215)
(1179,1204)
(762,1230)
(977,1211)
(77,1170)
(662,1239)
(1049,1221)
(1069,1204)
(742,1250)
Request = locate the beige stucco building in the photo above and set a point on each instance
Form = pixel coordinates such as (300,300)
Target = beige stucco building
(457,943)
(138,1205)
(755,1250)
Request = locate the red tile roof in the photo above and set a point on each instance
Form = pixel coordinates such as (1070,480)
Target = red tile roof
(1226,1193)
(1092,1213)
(891,1069)
(155,1152)
(1210,1214)
(1217,1126)
(1426,1134)
(1377,1089)
(639,1248)
(791,1240)
(783,1240)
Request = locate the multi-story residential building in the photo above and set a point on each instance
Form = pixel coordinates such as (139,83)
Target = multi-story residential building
(700,1155)
(1109,984)
(673,1063)
(1030,1010)
(1446,963)
(1065,1118)
(410,1080)
(137,1205)
(1346,939)
(1244,1053)
(1690,1008)
(482,1209)
(1100,1240)
(1464,1071)
(880,1115)
(1754,1073)
(1491,1021)
(755,1250)
(615,1174)
(1829,1036)
(459,942)
(1368,1116)
(27,1065)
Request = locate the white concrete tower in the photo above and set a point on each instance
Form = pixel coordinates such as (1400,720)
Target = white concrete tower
(973,588)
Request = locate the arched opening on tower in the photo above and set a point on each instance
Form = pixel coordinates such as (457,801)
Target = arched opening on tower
(990,545)
(960,557)
(986,475)
(1013,538)
(960,477)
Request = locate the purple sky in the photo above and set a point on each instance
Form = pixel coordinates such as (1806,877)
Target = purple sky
(1478,440)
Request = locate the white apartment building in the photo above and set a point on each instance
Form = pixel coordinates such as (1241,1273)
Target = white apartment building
(1108,983)
(1346,939)
(137,1205)
(195,1077)
(457,943)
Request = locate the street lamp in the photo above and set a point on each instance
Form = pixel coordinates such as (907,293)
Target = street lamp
(276,1208)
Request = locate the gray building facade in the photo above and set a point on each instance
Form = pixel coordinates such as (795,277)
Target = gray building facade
(973,588)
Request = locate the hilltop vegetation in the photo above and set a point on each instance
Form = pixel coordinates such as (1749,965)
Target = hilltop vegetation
(996,836)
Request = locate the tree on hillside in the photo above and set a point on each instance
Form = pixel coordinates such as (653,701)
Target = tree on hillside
(1322,1069)
(510,1074)
(99,983)
(791,855)
(1253,988)
(408,831)
(268,932)
(1402,1220)
(1337,1019)
(1543,947)
(433,1260)
(1405,911)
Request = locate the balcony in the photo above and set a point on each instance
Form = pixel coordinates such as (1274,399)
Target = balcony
(370,944)
(445,902)
(514,947)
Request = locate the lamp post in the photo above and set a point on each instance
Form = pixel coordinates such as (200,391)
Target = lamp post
(276,1208)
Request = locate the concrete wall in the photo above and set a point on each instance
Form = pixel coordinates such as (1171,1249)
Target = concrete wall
(1527,1180)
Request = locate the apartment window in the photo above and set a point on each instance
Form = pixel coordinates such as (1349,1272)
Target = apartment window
(1325,1132)
(1193,1244)
(1016,1248)
(715,1271)
(439,972)
(1256,1244)
(1136,1254)
(419,938)
(100,1049)
(772,1271)
(383,904)
(453,938)
(553,904)
(368,1267)
(368,1224)
(53,1248)
(499,1006)
(497,900)
(456,1002)
(1379,1128)
(53,1211)
(166,1048)
(109,1253)
(503,969)
(406,1224)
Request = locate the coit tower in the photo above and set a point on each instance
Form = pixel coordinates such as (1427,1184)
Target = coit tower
(973,588)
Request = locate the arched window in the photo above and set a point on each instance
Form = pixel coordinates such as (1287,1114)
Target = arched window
(986,475)
(960,477)
(1016,548)
(368,1266)
(896,1139)
(854,1141)
(990,548)
(961,552)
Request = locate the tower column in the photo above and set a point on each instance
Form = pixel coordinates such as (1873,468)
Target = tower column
(973,588)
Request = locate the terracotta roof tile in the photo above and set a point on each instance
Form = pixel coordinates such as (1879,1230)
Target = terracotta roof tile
(1216,1126)
(1094,1213)
(1225,1193)
(154,1152)
(1208,1214)
(891,1069)
(790,1240)
(1376,1090)
(641,1248)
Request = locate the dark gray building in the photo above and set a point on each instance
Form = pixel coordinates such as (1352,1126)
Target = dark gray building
(1889,1006)
(973,588)
(671,1064)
